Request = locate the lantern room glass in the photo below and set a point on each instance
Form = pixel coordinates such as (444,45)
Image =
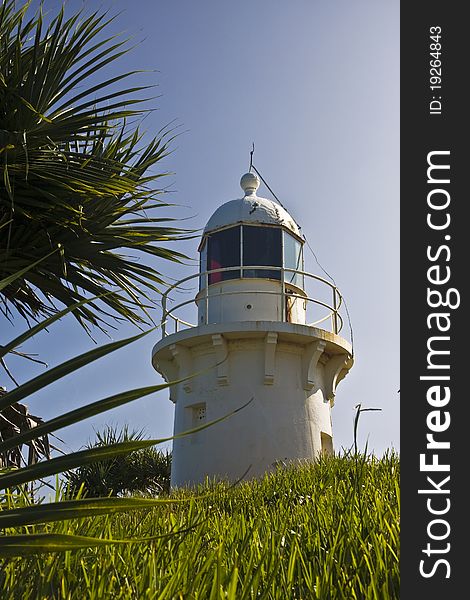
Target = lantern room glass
(249,246)
(262,246)
(293,259)
(224,251)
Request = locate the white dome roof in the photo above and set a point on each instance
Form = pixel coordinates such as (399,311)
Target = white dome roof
(251,209)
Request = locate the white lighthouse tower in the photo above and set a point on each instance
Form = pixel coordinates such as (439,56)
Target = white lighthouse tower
(267,337)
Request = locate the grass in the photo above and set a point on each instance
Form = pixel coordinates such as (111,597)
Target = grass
(328,530)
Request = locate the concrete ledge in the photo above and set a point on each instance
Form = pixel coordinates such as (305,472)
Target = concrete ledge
(287,332)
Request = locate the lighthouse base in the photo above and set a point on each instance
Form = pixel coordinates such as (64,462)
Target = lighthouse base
(288,372)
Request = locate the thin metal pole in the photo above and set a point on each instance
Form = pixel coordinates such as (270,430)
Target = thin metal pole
(335,312)
(241,251)
(283,278)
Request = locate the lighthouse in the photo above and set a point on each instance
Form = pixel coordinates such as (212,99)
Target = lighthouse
(265,330)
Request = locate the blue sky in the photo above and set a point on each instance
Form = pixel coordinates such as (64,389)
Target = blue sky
(315,85)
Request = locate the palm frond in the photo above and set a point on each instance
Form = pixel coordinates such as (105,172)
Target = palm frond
(74,171)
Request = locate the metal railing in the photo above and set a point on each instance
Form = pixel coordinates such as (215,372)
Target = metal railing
(286,291)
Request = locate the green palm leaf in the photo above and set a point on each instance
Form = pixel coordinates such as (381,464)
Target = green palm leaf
(77,509)
(79,414)
(20,545)
(56,373)
(29,333)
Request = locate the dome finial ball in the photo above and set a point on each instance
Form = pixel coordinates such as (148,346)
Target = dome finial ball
(249,183)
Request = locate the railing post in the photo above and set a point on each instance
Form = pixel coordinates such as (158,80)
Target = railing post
(283,295)
(335,312)
(206,298)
